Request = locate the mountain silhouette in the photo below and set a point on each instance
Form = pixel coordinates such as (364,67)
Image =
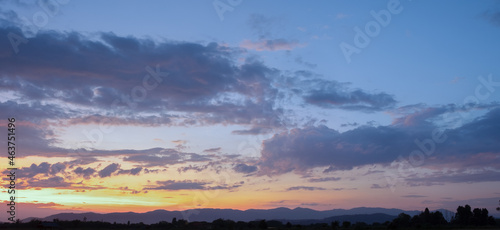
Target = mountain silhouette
(362,214)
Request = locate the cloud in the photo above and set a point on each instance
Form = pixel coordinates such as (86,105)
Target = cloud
(179,185)
(310,204)
(493,16)
(307,64)
(133,171)
(330,94)
(108,170)
(252,131)
(52,182)
(188,78)
(440,178)
(262,25)
(243,168)
(304,188)
(43,168)
(166,157)
(301,149)
(377,186)
(34,112)
(196,168)
(270,45)
(57,168)
(85,173)
(324,179)
(198,84)
(212,150)
(33,170)
(145,121)
(413,196)
(354,124)
(173,185)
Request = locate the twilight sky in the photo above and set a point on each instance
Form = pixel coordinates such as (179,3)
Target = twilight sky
(135,106)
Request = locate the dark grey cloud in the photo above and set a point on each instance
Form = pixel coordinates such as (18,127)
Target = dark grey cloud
(33,170)
(179,185)
(440,178)
(85,173)
(147,121)
(103,73)
(493,16)
(173,185)
(196,168)
(227,187)
(256,130)
(377,186)
(57,168)
(52,182)
(108,170)
(302,149)
(133,171)
(324,179)
(43,168)
(308,188)
(34,111)
(166,157)
(244,168)
(354,124)
(202,84)
(329,94)
(413,196)
(212,150)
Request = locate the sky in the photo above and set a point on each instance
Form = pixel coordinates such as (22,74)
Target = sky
(136,106)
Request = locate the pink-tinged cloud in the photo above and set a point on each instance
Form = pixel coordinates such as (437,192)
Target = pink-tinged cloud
(270,45)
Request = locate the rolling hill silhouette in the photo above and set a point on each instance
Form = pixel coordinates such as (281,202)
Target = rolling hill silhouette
(362,214)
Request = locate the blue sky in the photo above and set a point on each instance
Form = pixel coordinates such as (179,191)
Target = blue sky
(171,98)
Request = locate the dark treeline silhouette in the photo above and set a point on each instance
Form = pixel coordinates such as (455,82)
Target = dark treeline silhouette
(465,217)
(477,217)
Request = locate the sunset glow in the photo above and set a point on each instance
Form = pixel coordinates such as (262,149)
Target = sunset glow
(126,106)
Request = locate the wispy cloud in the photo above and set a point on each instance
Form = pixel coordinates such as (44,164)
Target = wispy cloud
(308,188)
(270,45)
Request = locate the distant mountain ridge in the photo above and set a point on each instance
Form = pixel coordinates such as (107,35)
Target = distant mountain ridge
(366,218)
(362,214)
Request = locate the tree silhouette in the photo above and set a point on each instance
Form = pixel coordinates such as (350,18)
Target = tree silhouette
(263,224)
(335,224)
(403,220)
(478,217)
(463,215)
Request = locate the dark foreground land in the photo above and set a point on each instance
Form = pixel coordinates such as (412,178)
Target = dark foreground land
(231,225)
(465,218)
